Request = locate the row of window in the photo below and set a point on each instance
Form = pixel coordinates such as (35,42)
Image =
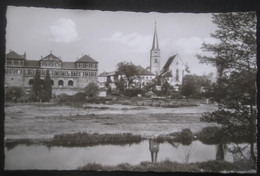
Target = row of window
(50,64)
(86,65)
(14,71)
(14,62)
(66,73)
(60,83)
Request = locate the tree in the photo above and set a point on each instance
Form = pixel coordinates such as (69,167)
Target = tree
(192,85)
(13,93)
(150,86)
(188,87)
(47,86)
(120,85)
(107,84)
(166,87)
(128,70)
(37,83)
(91,90)
(234,56)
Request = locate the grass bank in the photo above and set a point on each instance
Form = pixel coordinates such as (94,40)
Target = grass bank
(168,166)
(79,139)
(83,139)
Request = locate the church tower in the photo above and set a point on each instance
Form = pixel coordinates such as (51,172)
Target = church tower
(155,55)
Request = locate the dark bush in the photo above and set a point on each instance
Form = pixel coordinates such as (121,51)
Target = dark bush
(176,95)
(13,93)
(186,136)
(211,135)
(132,92)
(64,98)
(159,93)
(80,96)
(44,96)
(115,92)
(91,90)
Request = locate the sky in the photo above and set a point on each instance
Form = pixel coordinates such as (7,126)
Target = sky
(108,37)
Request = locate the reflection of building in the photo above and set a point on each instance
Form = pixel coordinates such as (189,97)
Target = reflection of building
(221,150)
(154,149)
(64,75)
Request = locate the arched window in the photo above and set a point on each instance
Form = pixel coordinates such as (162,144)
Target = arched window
(52,82)
(60,83)
(31,81)
(177,75)
(70,83)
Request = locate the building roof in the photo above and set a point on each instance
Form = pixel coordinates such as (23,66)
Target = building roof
(68,65)
(105,74)
(86,58)
(51,57)
(167,64)
(32,63)
(14,55)
(142,71)
(139,69)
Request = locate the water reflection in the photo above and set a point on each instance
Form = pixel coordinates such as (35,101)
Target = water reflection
(221,151)
(154,149)
(57,157)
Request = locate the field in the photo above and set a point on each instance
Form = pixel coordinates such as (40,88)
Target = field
(44,120)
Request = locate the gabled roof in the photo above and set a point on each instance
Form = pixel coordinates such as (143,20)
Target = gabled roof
(167,64)
(14,55)
(142,71)
(86,58)
(105,74)
(51,56)
(68,65)
(31,63)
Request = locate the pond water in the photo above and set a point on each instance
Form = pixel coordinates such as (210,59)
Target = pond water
(24,157)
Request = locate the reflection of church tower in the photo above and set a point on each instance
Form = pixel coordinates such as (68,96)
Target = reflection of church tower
(155,55)
(220,153)
(154,149)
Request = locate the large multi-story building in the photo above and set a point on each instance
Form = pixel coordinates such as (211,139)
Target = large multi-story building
(65,76)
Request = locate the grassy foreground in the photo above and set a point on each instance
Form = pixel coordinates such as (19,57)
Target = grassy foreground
(168,166)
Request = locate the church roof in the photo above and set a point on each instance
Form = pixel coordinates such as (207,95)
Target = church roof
(155,39)
(14,55)
(167,64)
(86,58)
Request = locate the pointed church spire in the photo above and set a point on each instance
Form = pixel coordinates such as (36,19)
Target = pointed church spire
(155,39)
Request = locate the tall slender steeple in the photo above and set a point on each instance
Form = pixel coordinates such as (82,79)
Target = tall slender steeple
(155,54)
(155,39)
